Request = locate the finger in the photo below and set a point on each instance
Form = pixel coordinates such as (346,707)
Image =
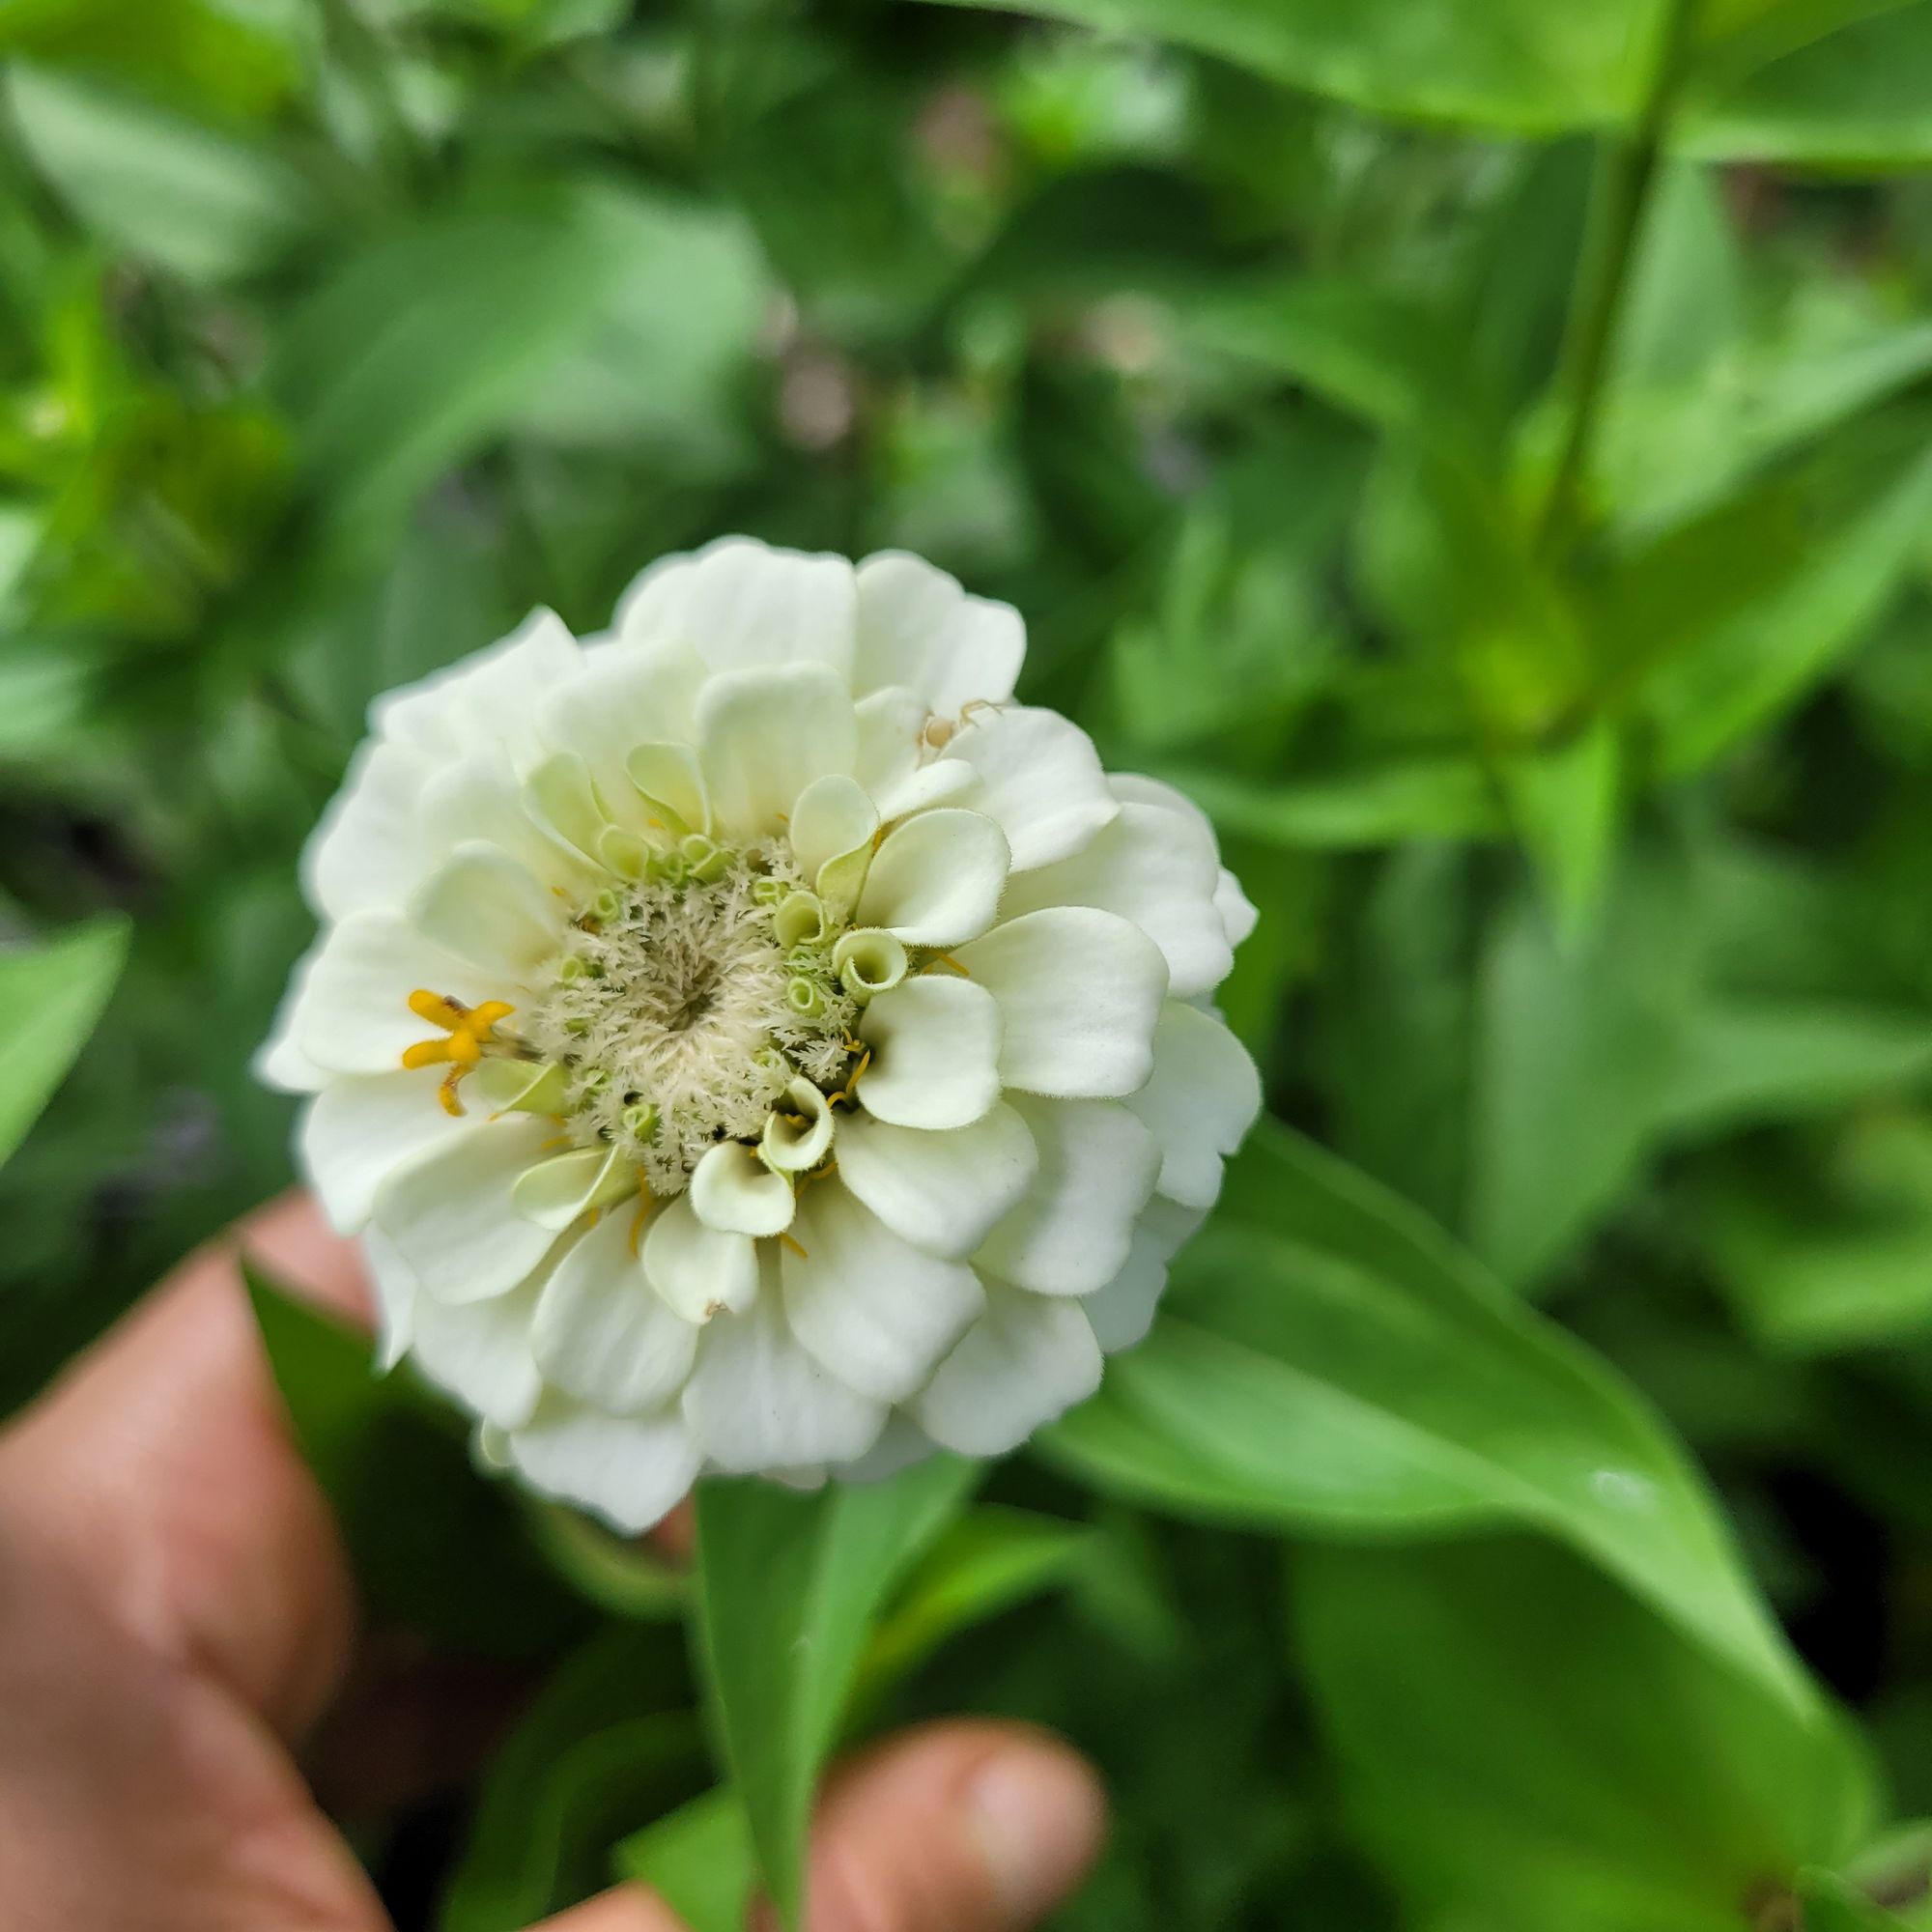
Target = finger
(161,1465)
(964,1827)
(628,1909)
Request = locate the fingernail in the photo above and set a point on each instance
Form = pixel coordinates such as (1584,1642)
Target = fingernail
(1039,1816)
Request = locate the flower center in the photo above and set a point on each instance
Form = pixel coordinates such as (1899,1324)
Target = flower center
(683,1006)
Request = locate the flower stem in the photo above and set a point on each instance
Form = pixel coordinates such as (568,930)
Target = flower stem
(1628,172)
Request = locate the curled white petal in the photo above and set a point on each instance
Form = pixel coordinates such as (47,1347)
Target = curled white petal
(732,1191)
(936,880)
(699,1271)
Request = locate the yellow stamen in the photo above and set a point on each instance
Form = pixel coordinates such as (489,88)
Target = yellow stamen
(946,959)
(852,1079)
(794,1247)
(469,1029)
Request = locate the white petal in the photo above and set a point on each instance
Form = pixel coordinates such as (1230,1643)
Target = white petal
(280,1062)
(478,798)
(1039,776)
(741,603)
(832,827)
(633,1470)
(765,735)
(901,1444)
(1079,992)
(941,1191)
(916,628)
(451,1216)
(1202,1098)
(935,1042)
(889,749)
(358,1131)
(797,1148)
(1154,868)
(873,1309)
(668,773)
(1239,916)
(757,1399)
(396,1293)
(936,879)
(368,850)
(699,1271)
(480,1352)
(494,694)
(552,1193)
(1029,1358)
(1122,1311)
(561,804)
(891,759)
(1097,1167)
(625,696)
(352,1010)
(602,1333)
(484,908)
(733,1191)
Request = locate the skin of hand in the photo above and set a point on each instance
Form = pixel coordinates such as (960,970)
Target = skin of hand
(177,1618)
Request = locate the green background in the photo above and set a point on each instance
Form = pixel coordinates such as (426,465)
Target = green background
(1482,449)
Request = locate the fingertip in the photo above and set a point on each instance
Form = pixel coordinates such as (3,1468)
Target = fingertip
(961,1826)
(630,1908)
(1041,1816)
(289,1241)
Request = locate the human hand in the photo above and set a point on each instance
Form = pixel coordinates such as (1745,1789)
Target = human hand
(176,1618)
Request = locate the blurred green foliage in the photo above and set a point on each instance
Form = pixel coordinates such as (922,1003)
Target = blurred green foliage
(1483,451)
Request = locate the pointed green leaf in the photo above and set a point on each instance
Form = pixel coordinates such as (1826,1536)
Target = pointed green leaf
(1331,1364)
(51,994)
(789,1586)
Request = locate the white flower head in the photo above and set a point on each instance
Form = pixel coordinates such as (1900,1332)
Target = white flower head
(750,1041)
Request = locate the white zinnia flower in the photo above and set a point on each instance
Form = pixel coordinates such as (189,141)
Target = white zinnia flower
(749,1042)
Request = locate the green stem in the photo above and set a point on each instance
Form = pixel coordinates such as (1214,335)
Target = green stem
(1629,171)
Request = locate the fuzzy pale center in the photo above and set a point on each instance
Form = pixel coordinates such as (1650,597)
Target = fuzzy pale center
(681,1019)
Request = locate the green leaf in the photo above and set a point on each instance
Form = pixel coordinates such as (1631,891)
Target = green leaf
(1369,351)
(494,312)
(1376,801)
(434,1545)
(1330,1364)
(788,1587)
(602,1743)
(1526,1747)
(202,53)
(622,1577)
(1513,64)
(51,994)
(1831,1905)
(208,205)
(700,1860)
(988,1561)
(1854,98)
(1577,1043)
(1566,802)
(1824,1242)
(1747,1059)
(1804,618)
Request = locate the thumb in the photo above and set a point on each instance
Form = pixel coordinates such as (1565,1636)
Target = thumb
(951,1828)
(961,1826)
(628,1909)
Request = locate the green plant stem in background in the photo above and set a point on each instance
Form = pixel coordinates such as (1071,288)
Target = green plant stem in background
(1628,171)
